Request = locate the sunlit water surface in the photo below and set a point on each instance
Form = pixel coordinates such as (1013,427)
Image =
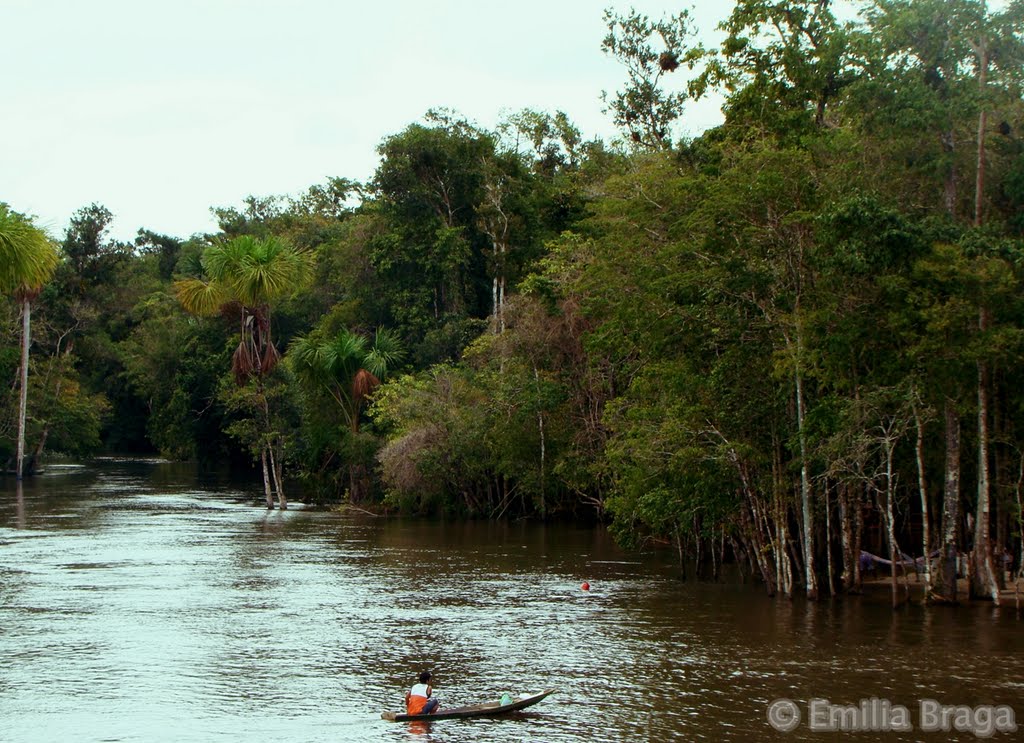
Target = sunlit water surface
(139,602)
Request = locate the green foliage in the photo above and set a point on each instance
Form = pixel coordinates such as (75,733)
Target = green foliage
(785,64)
(27,258)
(436,453)
(649,50)
(90,258)
(689,341)
(165,248)
(175,365)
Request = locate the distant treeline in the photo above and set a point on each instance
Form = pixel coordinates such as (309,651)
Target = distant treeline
(793,338)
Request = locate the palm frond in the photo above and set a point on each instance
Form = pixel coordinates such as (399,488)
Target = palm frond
(243,363)
(27,257)
(270,359)
(345,355)
(385,354)
(307,357)
(222,261)
(202,298)
(363,385)
(270,269)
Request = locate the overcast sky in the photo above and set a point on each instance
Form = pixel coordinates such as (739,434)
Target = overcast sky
(160,110)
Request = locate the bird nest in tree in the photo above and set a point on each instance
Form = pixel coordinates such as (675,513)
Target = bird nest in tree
(668,61)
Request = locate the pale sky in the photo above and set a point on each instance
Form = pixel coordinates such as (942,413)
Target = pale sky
(161,109)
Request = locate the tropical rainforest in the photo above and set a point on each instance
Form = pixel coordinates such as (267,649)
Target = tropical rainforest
(793,338)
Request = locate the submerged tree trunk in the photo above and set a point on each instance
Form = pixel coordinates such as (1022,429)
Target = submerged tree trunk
(811,581)
(757,542)
(828,544)
(780,542)
(32,462)
(266,479)
(275,471)
(983,580)
(26,317)
(1020,523)
(543,443)
(846,535)
(923,492)
(895,557)
(945,584)
(858,538)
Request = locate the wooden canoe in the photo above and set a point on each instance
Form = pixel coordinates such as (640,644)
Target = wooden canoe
(472,710)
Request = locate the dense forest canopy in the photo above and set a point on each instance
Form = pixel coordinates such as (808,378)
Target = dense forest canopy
(792,338)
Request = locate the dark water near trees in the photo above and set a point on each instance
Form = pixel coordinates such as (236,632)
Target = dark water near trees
(140,603)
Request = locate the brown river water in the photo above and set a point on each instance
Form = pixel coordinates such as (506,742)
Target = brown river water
(141,602)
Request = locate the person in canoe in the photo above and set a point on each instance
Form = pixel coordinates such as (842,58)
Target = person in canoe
(419,700)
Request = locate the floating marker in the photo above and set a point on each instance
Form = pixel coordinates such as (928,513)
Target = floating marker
(585,586)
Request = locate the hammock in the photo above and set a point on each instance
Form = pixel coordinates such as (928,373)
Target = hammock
(868,560)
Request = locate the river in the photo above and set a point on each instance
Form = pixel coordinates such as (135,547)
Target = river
(142,602)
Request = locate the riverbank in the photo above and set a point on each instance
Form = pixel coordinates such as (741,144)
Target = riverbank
(880,588)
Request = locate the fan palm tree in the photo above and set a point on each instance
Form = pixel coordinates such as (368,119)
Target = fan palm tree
(244,277)
(349,369)
(27,261)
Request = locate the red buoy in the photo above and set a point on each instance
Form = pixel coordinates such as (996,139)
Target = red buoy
(585,586)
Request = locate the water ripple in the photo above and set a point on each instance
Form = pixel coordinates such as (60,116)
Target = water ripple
(137,606)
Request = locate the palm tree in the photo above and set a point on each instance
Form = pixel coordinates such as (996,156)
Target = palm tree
(27,261)
(243,277)
(349,369)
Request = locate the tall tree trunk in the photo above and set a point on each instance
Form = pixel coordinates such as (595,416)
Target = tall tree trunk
(32,463)
(1020,520)
(271,470)
(946,582)
(846,535)
(895,557)
(754,525)
(783,566)
(275,471)
(979,186)
(811,580)
(543,443)
(828,545)
(858,539)
(983,579)
(999,550)
(979,180)
(266,479)
(923,492)
(26,322)
(498,325)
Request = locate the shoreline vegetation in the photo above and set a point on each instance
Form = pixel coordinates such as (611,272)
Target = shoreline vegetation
(880,589)
(791,340)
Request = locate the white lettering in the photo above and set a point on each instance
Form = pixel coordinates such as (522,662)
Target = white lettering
(881,715)
(984,720)
(1006,721)
(843,718)
(818,714)
(981,725)
(899,720)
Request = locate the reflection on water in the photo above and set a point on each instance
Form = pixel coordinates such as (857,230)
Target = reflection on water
(138,602)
